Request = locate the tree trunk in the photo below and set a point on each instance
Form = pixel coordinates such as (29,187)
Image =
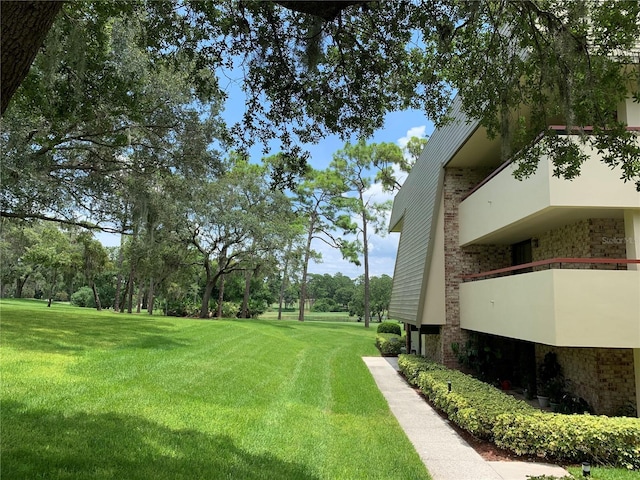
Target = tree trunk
(20,285)
(283,285)
(220,296)
(365,247)
(24,27)
(206,296)
(244,312)
(122,299)
(116,300)
(96,296)
(305,266)
(140,296)
(129,299)
(150,297)
(51,288)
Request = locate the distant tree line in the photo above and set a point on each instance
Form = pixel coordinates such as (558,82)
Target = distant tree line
(45,261)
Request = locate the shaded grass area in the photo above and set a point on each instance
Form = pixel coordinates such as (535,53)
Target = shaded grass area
(89,394)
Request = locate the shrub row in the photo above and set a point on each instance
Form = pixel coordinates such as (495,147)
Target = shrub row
(488,413)
(389,327)
(389,344)
(573,438)
(471,404)
(412,365)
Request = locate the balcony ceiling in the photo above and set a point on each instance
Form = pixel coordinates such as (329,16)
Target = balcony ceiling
(477,152)
(543,221)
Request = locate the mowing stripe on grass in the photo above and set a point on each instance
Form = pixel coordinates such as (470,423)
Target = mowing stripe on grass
(90,394)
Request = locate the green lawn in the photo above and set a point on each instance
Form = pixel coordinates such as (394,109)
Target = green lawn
(97,395)
(605,473)
(309,316)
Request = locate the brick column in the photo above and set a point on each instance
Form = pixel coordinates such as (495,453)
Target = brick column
(462,260)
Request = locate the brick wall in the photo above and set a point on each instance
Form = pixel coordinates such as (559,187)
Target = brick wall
(607,239)
(567,241)
(604,377)
(460,261)
(589,238)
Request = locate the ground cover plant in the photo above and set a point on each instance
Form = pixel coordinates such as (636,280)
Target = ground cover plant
(99,395)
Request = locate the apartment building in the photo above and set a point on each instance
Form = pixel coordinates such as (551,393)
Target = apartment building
(533,266)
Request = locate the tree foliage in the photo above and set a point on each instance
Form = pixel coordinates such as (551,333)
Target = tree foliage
(53,255)
(319,203)
(232,220)
(98,116)
(312,68)
(353,164)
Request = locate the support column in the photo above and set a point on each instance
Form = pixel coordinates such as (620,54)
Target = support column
(636,364)
(407,333)
(632,235)
(632,242)
(629,112)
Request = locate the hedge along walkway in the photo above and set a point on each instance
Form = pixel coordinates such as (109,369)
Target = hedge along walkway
(445,454)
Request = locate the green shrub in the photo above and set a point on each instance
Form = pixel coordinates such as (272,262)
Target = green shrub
(514,425)
(182,308)
(412,365)
(83,297)
(229,309)
(573,438)
(471,404)
(324,305)
(61,297)
(389,344)
(390,327)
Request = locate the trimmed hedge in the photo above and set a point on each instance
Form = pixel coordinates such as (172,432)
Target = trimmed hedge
(471,404)
(573,438)
(389,327)
(412,365)
(389,344)
(488,413)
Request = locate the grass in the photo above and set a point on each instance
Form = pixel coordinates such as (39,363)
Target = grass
(99,395)
(605,473)
(292,314)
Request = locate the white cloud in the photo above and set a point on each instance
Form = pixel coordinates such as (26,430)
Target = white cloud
(420,131)
(382,258)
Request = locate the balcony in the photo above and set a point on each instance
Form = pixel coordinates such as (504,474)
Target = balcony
(504,210)
(561,307)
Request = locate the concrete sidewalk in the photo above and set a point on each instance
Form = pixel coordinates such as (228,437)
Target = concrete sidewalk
(446,455)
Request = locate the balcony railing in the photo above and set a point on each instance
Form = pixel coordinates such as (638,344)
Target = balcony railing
(560,262)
